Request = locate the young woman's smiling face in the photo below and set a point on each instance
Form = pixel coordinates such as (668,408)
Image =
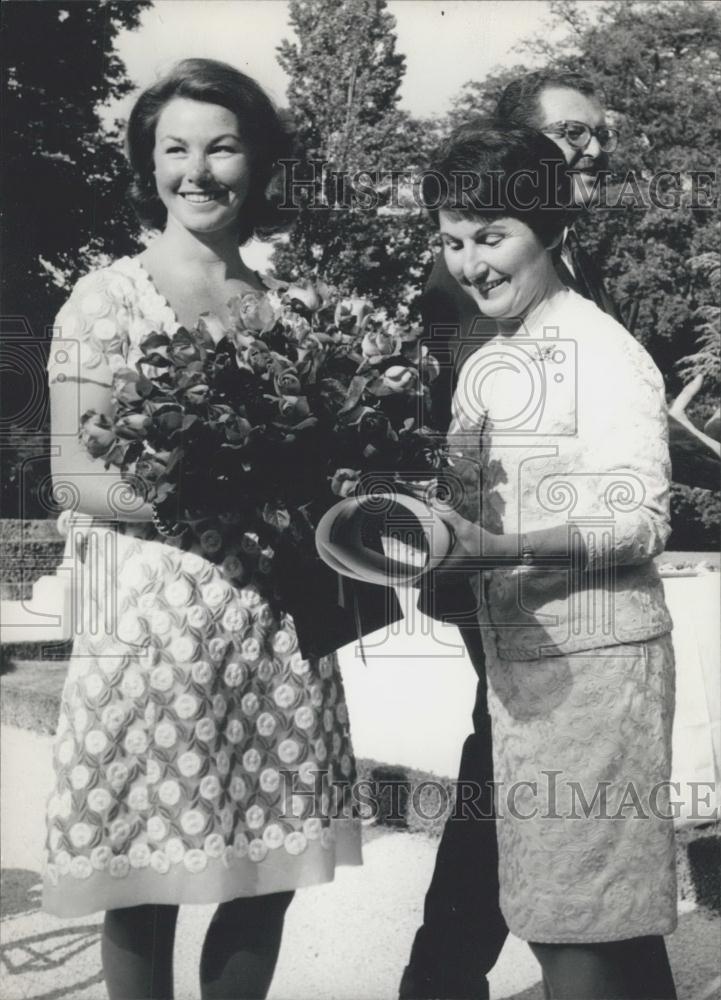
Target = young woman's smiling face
(202,167)
(500,263)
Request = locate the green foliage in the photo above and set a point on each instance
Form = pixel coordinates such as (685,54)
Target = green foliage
(695,519)
(658,65)
(64,177)
(30,549)
(63,181)
(478,98)
(345,79)
(706,361)
(25,468)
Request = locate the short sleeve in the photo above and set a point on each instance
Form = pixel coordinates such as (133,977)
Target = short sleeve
(90,334)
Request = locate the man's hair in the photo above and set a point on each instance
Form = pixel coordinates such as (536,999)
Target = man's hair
(491,171)
(519,103)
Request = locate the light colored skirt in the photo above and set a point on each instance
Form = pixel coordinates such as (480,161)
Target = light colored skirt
(197,755)
(582,757)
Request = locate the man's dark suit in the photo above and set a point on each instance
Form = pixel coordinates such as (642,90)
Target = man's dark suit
(463,929)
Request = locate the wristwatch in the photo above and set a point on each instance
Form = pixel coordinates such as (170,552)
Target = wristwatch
(526,552)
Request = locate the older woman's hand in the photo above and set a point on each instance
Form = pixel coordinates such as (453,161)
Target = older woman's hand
(474,546)
(472,543)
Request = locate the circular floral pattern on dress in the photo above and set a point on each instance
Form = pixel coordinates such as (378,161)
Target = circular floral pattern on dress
(177,722)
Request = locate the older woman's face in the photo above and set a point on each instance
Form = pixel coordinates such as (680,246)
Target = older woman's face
(202,168)
(500,263)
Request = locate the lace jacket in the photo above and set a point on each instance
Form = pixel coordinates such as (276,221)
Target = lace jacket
(567,422)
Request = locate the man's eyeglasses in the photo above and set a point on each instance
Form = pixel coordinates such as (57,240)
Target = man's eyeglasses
(578,134)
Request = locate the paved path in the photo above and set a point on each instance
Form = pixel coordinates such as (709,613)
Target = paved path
(344,941)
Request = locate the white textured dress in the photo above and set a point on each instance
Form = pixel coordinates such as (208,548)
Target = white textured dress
(567,421)
(198,754)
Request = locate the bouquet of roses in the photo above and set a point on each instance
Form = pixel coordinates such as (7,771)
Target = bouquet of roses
(243,437)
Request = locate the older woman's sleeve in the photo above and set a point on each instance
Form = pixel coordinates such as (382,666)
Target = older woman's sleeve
(624,427)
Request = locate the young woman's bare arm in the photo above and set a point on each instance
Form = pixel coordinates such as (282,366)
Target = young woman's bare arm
(80,481)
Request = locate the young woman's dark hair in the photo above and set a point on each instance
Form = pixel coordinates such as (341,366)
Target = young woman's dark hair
(489,170)
(268,140)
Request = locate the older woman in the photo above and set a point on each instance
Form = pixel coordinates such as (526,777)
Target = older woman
(564,414)
(177,720)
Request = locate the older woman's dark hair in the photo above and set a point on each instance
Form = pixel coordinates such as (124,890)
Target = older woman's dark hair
(268,140)
(492,171)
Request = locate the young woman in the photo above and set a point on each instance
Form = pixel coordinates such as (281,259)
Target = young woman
(564,415)
(187,701)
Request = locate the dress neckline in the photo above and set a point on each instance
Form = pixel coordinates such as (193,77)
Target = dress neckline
(162,302)
(151,288)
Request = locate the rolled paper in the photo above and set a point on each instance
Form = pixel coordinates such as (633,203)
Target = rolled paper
(359,538)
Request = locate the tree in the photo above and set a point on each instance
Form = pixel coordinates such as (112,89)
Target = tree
(63,177)
(478,98)
(658,65)
(345,78)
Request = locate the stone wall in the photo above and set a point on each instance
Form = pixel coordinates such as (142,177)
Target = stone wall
(29,549)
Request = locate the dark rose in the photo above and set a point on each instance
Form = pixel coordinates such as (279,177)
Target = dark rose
(155,344)
(253,312)
(297,327)
(350,312)
(96,433)
(125,386)
(374,427)
(333,393)
(345,482)
(237,430)
(293,409)
(155,350)
(399,378)
(169,420)
(378,345)
(232,569)
(430,366)
(211,542)
(257,357)
(184,349)
(133,426)
(287,383)
(150,468)
(306,295)
(197,394)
